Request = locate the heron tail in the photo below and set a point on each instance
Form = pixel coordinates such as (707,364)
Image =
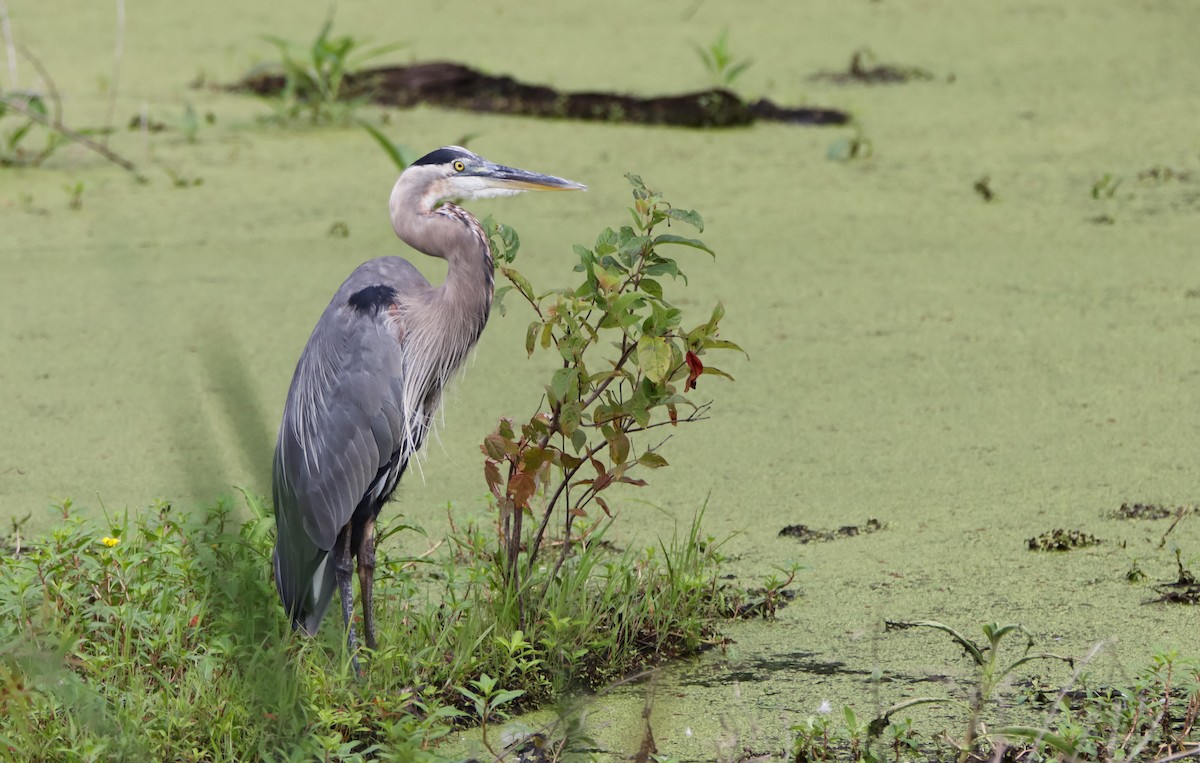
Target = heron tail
(305,589)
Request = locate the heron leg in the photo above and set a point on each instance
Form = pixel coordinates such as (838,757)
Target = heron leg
(344,572)
(366,580)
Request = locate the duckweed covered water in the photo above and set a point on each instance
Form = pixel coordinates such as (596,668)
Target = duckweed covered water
(971,373)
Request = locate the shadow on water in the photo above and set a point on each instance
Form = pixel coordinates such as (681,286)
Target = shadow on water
(226,368)
(773,667)
(225,384)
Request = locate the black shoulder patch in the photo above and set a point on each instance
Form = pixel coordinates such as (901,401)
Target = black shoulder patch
(444,155)
(371,300)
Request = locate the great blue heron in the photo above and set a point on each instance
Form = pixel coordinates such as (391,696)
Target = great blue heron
(371,377)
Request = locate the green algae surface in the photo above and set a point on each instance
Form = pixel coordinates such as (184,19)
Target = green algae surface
(972,373)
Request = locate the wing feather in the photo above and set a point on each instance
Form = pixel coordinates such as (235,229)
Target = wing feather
(342,426)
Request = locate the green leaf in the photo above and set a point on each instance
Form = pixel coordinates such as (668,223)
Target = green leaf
(689,216)
(578,440)
(622,304)
(494,446)
(401,155)
(651,287)
(665,267)
(569,418)
(519,281)
(717,314)
(504,241)
(533,457)
(531,336)
(662,319)
(607,279)
(606,242)
(618,447)
(563,385)
(715,372)
(498,300)
(721,344)
(671,238)
(634,245)
(1034,735)
(651,460)
(504,697)
(654,358)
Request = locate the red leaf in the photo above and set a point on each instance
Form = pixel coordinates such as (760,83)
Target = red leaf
(603,505)
(491,472)
(695,368)
(521,487)
(194,621)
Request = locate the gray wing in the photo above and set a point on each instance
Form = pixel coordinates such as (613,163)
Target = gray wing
(342,424)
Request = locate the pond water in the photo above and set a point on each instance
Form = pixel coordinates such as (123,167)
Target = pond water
(970,373)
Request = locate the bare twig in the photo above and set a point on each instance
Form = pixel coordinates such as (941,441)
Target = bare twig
(1194,752)
(76,137)
(1180,514)
(51,88)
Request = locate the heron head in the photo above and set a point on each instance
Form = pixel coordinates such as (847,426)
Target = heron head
(454,173)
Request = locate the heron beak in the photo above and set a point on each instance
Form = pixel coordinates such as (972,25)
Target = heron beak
(512,179)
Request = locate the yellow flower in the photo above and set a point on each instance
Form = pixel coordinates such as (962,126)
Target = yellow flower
(110,542)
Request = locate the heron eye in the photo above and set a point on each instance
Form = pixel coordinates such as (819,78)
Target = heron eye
(459,166)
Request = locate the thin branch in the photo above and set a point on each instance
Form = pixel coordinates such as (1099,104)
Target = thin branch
(584,404)
(51,88)
(1195,751)
(1183,511)
(76,137)
(648,427)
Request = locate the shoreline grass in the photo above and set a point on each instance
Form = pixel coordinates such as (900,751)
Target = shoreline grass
(160,637)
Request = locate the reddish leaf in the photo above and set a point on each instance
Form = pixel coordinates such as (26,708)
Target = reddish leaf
(603,505)
(577,512)
(695,368)
(491,472)
(521,487)
(602,482)
(196,618)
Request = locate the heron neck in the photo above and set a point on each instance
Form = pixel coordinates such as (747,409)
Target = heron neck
(469,277)
(453,234)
